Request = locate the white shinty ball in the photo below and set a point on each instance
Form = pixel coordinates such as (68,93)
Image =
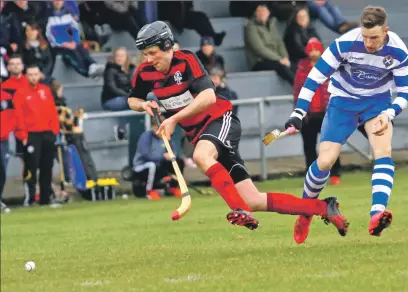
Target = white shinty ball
(29,266)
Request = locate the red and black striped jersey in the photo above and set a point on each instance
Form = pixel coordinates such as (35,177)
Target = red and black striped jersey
(177,89)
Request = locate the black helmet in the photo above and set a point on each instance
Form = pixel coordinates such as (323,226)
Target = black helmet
(155,34)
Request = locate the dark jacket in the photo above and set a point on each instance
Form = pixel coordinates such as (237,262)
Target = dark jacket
(175,12)
(116,82)
(229,94)
(9,30)
(283,10)
(296,39)
(212,61)
(35,12)
(39,56)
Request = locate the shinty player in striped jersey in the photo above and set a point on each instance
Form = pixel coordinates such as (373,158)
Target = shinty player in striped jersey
(363,65)
(185,90)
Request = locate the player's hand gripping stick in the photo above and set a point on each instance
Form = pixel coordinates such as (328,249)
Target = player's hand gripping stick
(277,134)
(186,200)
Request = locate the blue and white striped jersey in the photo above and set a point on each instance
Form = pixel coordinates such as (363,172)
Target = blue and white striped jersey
(355,73)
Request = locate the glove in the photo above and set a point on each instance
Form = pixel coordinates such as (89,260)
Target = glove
(295,120)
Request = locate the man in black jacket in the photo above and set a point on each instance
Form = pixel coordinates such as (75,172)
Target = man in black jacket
(10,38)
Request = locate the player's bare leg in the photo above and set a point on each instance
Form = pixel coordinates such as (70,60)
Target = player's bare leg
(289,204)
(205,155)
(382,177)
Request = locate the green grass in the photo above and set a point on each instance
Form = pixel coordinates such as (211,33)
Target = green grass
(132,245)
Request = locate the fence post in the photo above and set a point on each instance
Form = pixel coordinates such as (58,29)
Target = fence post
(261,116)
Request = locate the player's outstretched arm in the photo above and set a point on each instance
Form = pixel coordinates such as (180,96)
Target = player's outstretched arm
(201,102)
(328,63)
(140,105)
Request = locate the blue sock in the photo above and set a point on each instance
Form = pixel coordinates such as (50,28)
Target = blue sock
(382,181)
(315,181)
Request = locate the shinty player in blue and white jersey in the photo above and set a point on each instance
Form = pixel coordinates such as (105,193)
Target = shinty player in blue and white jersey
(363,65)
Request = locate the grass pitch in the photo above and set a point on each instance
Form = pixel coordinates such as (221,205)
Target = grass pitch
(132,245)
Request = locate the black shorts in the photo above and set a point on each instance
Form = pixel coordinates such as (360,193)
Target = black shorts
(225,134)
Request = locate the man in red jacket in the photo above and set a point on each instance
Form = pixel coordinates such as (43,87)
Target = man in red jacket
(11,119)
(314,119)
(42,123)
(16,81)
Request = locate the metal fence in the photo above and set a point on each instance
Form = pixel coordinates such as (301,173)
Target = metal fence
(259,101)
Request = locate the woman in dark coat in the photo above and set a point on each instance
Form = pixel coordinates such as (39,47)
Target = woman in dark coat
(117,80)
(297,35)
(36,51)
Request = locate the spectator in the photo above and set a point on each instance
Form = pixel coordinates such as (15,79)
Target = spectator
(123,15)
(330,15)
(151,162)
(217,77)
(36,51)
(42,123)
(297,35)
(63,34)
(11,119)
(10,38)
(17,79)
(117,83)
(208,56)
(120,15)
(27,12)
(312,123)
(284,10)
(181,15)
(242,8)
(264,47)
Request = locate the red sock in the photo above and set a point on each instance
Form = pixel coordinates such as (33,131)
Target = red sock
(289,204)
(222,182)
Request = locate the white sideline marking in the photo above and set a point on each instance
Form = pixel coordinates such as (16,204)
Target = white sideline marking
(326,275)
(94,283)
(189,278)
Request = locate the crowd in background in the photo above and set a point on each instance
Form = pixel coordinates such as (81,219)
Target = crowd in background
(34,33)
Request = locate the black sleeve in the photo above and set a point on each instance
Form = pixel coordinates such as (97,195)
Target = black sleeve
(110,83)
(49,64)
(197,76)
(140,88)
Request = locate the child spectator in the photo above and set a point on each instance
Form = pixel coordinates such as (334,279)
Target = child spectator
(312,123)
(117,83)
(218,78)
(36,51)
(207,54)
(152,162)
(63,34)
